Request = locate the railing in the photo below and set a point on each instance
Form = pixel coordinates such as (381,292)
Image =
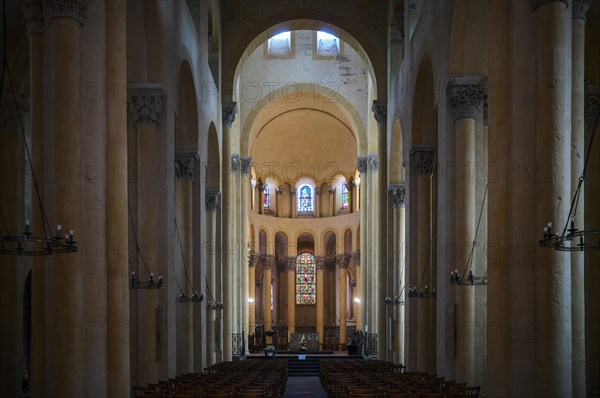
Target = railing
(370,344)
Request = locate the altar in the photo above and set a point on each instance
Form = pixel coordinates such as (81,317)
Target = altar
(310,342)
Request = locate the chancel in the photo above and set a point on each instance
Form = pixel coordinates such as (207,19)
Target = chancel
(198,194)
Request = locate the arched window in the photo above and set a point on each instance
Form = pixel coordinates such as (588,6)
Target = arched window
(345,196)
(266,197)
(306,279)
(305,200)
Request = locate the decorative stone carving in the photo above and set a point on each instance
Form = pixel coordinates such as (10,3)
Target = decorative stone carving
(356,258)
(145,102)
(592,108)
(235,163)
(379,109)
(361,165)
(34,15)
(320,263)
(245,163)
(343,260)
(423,160)
(541,2)
(211,200)
(580,9)
(398,193)
(278,190)
(465,96)
(74,9)
(185,166)
(291,264)
(9,114)
(269,261)
(293,191)
(229,110)
(373,163)
(252,258)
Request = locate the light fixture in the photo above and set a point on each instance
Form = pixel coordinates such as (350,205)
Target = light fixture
(135,282)
(250,301)
(183,298)
(470,279)
(26,243)
(212,303)
(572,238)
(356,300)
(420,292)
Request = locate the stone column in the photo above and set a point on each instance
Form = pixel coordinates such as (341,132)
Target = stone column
(245,242)
(364,285)
(592,258)
(343,261)
(229,110)
(372,250)
(117,228)
(252,292)
(65,373)
(32,10)
(293,202)
(398,194)
(553,375)
(185,169)
(465,97)
(356,260)
(267,277)
(350,185)
(291,294)
(320,265)
(260,191)
(379,109)
(278,210)
(211,202)
(331,204)
(317,202)
(578,151)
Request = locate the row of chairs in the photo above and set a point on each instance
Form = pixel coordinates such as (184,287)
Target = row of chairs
(240,379)
(380,379)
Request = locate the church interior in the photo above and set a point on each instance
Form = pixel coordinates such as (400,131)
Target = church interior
(188,183)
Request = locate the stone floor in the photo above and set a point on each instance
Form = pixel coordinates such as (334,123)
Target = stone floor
(304,387)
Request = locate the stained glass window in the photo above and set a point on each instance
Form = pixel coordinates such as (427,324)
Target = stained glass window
(345,196)
(306,279)
(280,44)
(266,197)
(305,201)
(328,44)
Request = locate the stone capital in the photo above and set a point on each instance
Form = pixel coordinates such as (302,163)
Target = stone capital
(373,163)
(343,260)
(398,193)
(9,111)
(185,165)
(33,10)
(235,163)
(542,2)
(379,109)
(211,200)
(252,258)
(74,9)
(580,9)
(145,102)
(592,105)
(278,190)
(318,190)
(293,191)
(356,258)
(465,95)
(245,165)
(423,159)
(269,261)
(361,165)
(291,264)
(485,109)
(229,110)
(320,263)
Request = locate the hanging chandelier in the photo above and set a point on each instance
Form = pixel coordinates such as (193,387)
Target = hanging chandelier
(183,298)
(397,299)
(212,303)
(135,282)
(470,279)
(422,292)
(27,243)
(571,238)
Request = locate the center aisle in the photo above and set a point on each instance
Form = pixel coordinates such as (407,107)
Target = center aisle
(304,387)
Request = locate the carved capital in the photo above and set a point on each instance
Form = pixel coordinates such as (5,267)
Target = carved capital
(269,261)
(423,159)
(229,110)
(278,190)
(465,96)
(343,260)
(34,15)
(356,258)
(373,163)
(9,112)
(361,165)
(212,199)
(145,102)
(293,191)
(580,9)
(592,105)
(542,2)
(245,164)
(252,258)
(398,193)
(74,9)
(235,163)
(485,108)
(291,264)
(318,190)
(320,263)
(185,165)
(379,109)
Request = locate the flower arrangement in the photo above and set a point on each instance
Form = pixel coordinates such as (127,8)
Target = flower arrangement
(270,350)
